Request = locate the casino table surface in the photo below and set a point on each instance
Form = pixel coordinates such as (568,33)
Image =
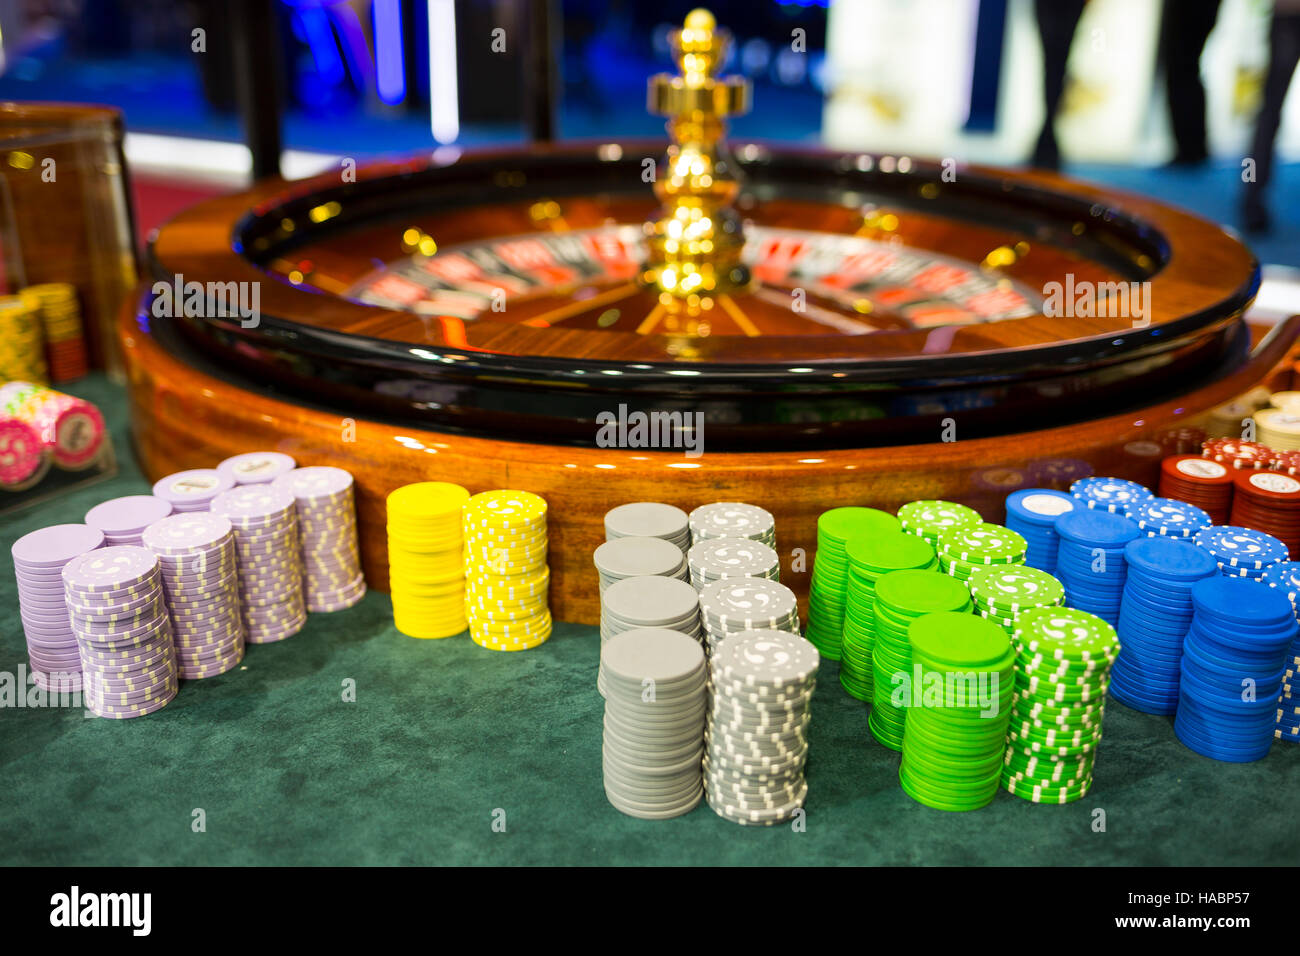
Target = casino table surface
(444,736)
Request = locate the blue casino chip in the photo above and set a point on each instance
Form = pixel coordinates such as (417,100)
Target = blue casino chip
(1037,506)
(1109,494)
(1242,602)
(1169,518)
(1285,576)
(1166,558)
(1096,529)
(1242,549)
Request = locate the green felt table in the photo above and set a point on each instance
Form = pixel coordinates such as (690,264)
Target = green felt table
(445,739)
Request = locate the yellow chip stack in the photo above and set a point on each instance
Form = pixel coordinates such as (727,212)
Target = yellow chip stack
(506,575)
(425,559)
(22,341)
(65,339)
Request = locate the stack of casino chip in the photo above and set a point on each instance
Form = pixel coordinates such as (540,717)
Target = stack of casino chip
(1240,638)
(731,519)
(635,557)
(72,429)
(720,558)
(929,518)
(269,569)
(123,520)
(1063,657)
(193,490)
(196,555)
(1032,514)
(22,341)
(956,716)
(1278,428)
(256,467)
(1115,495)
(963,549)
(1286,578)
(39,559)
(65,339)
(128,659)
(327,536)
(756,740)
(505,570)
(650,601)
(902,597)
(653,739)
(649,519)
(1286,400)
(1241,552)
(1269,501)
(1198,481)
(746,604)
(1237,453)
(1002,593)
(1169,518)
(426,563)
(869,558)
(1154,617)
(23,459)
(826,594)
(1090,560)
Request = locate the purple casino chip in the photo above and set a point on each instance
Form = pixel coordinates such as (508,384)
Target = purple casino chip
(127,516)
(110,569)
(192,490)
(256,506)
(55,546)
(316,484)
(256,467)
(187,534)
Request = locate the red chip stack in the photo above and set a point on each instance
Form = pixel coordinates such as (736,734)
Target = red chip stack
(1198,481)
(1269,501)
(1236,453)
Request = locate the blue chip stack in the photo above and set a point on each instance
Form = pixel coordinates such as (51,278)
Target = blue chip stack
(1241,552)
(1286,578)
(1233,661)
(1154,617)
(1032,513)
(1169,518)
(1090,560)
(1115,495)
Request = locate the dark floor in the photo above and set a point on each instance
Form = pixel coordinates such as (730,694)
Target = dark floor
(444,735)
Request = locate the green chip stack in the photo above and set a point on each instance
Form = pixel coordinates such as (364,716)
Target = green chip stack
(835,528)
(1000,592)
(957,722)
(869,558)
(1063,659)
(963,549)
(901,597)
(929,519)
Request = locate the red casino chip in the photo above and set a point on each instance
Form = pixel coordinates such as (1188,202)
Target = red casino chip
(1182,441)
(1287,462)
(1269,501)
(1199,481)
(1237,453)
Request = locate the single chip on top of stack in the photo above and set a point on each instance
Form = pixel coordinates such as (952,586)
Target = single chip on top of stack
(1001,593)
(269,569)
(39,559)
(746,604)
(731,519)
(22,341)
(506,573)
(869,558)
(193,490)
(123,520)
(1116,495)
(649,519)
(115,600)
(901,597)
(757,732)
(719,558)
(196,557)
(1240,636)
(426,564)
(1169,518)
(1032,514)
(1241,552)
(256,467)
(327,536)
(956,720)
(65,339)
(930,518)
(1237,453)
(635,557)
(1286,578)
(655,703)
(963,549)
(826,594)
(1063,657)
(651,601)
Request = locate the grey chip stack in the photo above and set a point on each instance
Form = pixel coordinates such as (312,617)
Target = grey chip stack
(720,558)
(733,519)
(733,605)
(648,519)
(648,602)
(635,557)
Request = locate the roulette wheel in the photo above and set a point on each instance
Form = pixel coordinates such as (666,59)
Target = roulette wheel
(602,323)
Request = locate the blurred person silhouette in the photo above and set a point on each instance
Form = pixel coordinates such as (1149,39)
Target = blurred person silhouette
(1185,25)
(1057,20)
(1283,54)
